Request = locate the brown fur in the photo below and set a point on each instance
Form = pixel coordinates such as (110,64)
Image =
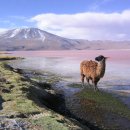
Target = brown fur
(92,70)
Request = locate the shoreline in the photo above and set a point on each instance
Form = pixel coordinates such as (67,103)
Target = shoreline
(31,104)
(76,105)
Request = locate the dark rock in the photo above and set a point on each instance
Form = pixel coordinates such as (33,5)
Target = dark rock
(24,79)
(5,90)
(44,85)
(20,71)
(8,82)
(2,79)
(8,67)
(11,86)
(24,89)
(12,116)
(21,115)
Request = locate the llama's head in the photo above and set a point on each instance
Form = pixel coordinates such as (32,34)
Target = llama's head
(100,58)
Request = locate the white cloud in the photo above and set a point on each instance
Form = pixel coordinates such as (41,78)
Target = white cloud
(87,25)
(2,30)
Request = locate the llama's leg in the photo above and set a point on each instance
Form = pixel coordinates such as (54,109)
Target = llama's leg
(82,79)
(95,84)
(87,79)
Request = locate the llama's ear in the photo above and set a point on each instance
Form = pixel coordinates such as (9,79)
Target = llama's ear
(97,58)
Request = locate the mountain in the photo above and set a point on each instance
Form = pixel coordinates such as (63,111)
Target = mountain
(26,33)
(36,39)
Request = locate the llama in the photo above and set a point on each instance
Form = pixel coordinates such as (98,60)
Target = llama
(93,70)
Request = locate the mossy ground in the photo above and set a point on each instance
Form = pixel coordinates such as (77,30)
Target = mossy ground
(100,107)
(6,57)
(49,123)
(75,85)
(104,109)
(16,99)
(106,101)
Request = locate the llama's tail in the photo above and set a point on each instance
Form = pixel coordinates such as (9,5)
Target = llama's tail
(81,68)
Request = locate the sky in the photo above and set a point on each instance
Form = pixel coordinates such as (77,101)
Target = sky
(74,19)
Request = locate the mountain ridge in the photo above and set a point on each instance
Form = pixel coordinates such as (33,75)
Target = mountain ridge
(37,39)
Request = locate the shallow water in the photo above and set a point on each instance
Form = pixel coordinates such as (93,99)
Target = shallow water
(116,79)
(66,64)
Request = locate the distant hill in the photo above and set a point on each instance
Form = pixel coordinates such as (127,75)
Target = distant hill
(36,39)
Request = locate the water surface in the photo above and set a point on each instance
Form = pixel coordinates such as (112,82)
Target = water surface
(66,63)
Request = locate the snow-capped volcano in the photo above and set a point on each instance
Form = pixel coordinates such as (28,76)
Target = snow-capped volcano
(36,39)
(25,33)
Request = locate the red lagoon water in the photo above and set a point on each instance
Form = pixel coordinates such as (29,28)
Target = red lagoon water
(66,63)
(115,55)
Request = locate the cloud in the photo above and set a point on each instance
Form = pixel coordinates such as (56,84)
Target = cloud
(87,25)
(2,30)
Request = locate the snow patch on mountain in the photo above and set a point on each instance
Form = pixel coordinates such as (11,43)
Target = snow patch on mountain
(15,32)
(25,33)
(41,35)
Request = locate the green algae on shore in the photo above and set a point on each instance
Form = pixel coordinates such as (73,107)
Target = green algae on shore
(107,111)
(20,100)
(4,57)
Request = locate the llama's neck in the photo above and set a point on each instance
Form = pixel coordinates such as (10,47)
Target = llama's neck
(101,68)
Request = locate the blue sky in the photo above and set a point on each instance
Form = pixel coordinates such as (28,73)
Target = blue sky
(33,7)
(36,13)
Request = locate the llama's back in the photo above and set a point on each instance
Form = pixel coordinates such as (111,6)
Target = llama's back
(88,68)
